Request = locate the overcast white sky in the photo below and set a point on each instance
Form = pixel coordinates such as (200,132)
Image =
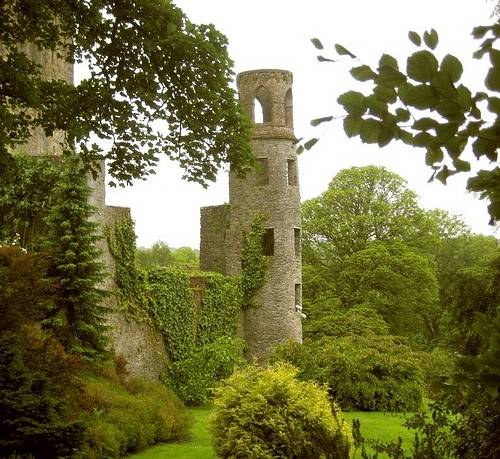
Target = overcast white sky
(276,34)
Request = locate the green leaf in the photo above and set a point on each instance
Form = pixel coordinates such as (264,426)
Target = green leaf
(318,121)
(369,130)
(450,110)
(442,83)
(351,126)
(363,73)
(494,105)
(353,102)
(310,143)
(461,166)
(325,59)
(431,39)
(495,57)
(422,66)
(433,156)
(421,96)
(341,51)
(389,77)
(385,94)
(423,139)
(317,43)
(492,80)
(402,114)
(389,61)
(386,136)
(480,31)
(375,106)
(443,174)
(452,66)
(424,124)
(414,38)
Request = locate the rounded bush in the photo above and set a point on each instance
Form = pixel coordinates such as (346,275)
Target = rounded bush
(268,413)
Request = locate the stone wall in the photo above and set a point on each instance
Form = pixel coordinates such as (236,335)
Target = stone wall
(215,221)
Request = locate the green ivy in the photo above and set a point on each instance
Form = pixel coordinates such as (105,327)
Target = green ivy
(220,307)
(25,195)
(253,262)
(130,280)
(174,310)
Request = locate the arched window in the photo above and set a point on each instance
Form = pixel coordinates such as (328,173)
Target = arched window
(263,102)
(289,109)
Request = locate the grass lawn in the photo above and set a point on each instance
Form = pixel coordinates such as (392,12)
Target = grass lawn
(199,447)
(373,425)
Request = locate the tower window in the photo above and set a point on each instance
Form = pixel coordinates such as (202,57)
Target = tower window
(268,242)
(262,171)
(296,241)
(291,172)
(262,99)
(298,295)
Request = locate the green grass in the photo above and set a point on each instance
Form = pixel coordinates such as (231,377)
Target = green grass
(198,447)
(382,426)
(375,425)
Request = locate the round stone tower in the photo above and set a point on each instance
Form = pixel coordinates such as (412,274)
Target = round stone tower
(272,191)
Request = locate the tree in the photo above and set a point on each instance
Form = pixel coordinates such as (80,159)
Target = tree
(77,314)
(398,283)
(362,205)
(426,106)
(159,254)
(158,84)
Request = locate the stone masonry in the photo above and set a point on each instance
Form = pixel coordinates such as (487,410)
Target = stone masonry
(272,191)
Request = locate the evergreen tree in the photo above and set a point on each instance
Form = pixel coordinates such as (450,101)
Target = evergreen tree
(77,314)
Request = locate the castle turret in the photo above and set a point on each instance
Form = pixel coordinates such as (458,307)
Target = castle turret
(271,191)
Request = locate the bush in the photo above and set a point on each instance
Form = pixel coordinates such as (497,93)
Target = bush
(128,416)
(268,413)
(372,373)
(193,378)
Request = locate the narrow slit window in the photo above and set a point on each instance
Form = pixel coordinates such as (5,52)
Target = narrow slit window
(296,241)
(289,109)
(291,172)
(268,242)
(262,172)
(298,295)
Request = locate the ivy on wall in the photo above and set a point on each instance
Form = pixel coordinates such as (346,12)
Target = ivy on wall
(25,195)
(253,262)
(174,310)
(130,280)
(220,308)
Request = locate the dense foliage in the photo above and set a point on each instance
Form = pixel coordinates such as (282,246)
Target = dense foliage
(369,373)
(54,403)
(158,84)
(269,413)
(126,415)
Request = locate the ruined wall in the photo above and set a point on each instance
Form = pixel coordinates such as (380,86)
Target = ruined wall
(215,221)
(141,344)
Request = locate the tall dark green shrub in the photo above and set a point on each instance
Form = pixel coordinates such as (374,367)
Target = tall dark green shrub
(74,268)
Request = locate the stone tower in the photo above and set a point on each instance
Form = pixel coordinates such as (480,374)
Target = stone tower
(272,191)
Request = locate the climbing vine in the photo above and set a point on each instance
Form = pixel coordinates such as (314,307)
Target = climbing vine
(174,310)
(25,195)
(130,280)
(253,262)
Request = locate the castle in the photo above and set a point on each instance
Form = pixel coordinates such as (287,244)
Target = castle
(271,191)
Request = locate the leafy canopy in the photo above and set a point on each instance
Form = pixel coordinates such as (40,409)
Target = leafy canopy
(426,105)
(158,84)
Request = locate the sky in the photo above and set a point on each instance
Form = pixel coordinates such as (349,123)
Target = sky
(276,34)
